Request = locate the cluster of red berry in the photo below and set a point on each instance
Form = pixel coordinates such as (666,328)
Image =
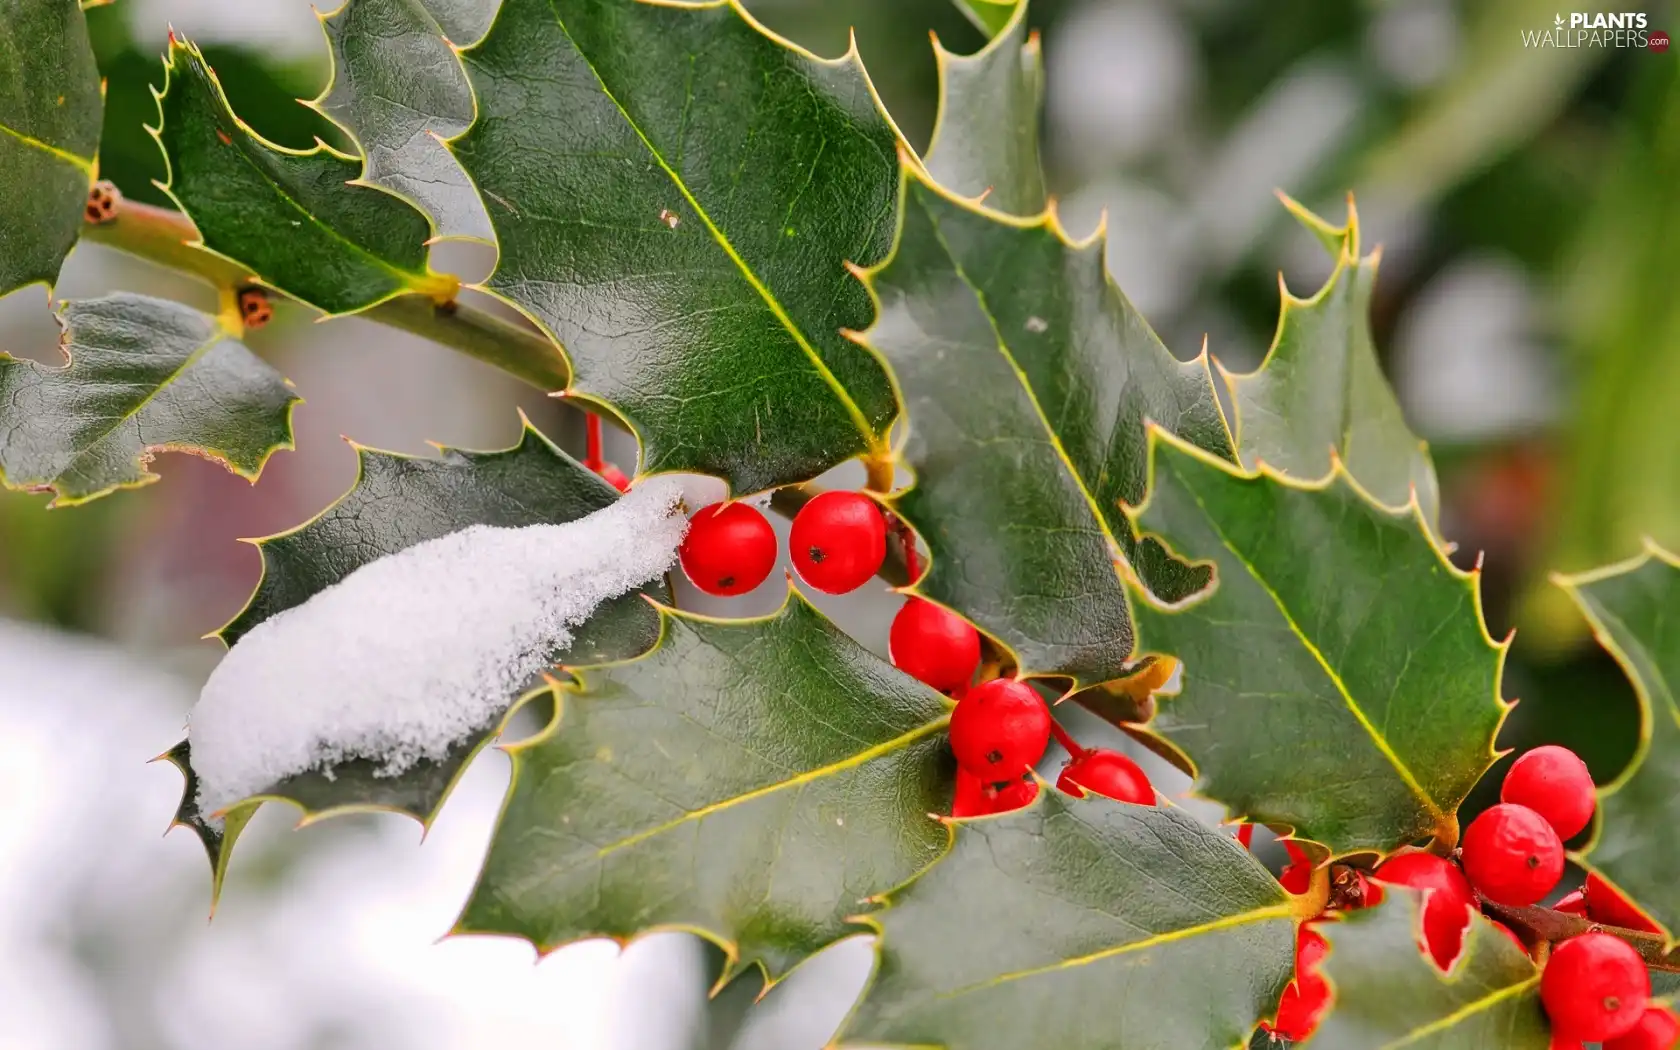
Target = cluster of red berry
(839,541)
(1595,987)
(999,731)
(1000,728)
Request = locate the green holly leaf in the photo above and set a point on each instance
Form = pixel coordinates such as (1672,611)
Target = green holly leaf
(1634,609)
(1338,675)
(750,780)
(985,138)
(397,502)
(141,376)
(1027,380)
(677,195)
(398,90)
(1389,994)
(296,220)
(989,16)
(50,114)
(1145,927)
(1320,393)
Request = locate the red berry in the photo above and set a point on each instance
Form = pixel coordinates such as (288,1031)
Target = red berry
(1553,782)
(1595,987)
(1310,949)
(1658,1029)
(1107,773)
(1296,876)
(1512,856)
(933,644)
(838,541)
(1572,903)
(614,477)
(730,548)
(1605,905)
(1000,729)
(1308,995)
(1446,911)
(976,798)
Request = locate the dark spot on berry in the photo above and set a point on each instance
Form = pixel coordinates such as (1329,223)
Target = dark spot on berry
(727,581)
(1533,861)
(1612,1003)
(817,555)
(994,756)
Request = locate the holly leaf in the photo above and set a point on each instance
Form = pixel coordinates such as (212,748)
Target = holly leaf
(294,219)
(1320,394)
(985,137)
(1338,676)
(50,113)
(1388,993)
(397,502)
(989,16)
(398,90)
(140,376)
(1145,927)
(1634,610)
(749,780)
(676,194)
(1027,380)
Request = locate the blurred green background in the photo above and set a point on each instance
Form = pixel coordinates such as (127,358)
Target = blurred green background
(1528,309)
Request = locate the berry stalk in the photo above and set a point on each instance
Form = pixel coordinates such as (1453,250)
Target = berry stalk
(592,441)
(1064,738)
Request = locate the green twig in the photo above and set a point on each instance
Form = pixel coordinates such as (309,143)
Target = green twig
(168,238)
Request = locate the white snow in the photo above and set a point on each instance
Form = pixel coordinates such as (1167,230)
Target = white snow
(416,651)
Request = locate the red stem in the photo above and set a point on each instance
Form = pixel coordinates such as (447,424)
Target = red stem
(592,447)
(1065,739)
(1297,855)
(1245,835)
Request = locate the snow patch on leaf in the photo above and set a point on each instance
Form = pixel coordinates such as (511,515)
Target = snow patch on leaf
(415,651)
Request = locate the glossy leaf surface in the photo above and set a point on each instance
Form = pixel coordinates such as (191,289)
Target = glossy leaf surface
(1083,925)
(141,376)
(1388,993)
(985,142)
(398,88)
(1338,678)
(294,219)
(1026,379)
(677,194)
(751,780)
(1634,609)
(50,112)
(1320,394)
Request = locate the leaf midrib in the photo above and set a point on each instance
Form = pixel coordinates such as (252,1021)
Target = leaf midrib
(1486,1002)
(859,420)
(1226,922)
(217,334)
(83,164)
(1406,776)
(410,279)
(853,761)
(1026,384)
